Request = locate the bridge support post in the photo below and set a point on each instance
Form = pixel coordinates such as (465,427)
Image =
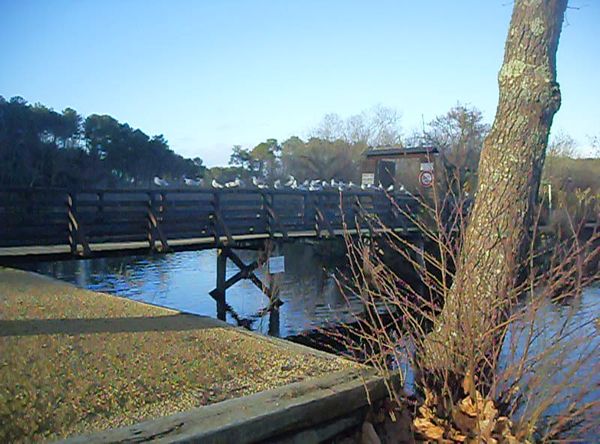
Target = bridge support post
(219,292)
(272,289)
(246,272)
(274,322)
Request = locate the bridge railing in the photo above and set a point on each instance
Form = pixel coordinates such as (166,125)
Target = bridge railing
(83,217)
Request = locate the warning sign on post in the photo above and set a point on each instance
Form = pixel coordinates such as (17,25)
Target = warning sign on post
(367,179)
(426,179)
(426,166)
(276,264)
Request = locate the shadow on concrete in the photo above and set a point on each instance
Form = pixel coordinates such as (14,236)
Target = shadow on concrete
(176,322)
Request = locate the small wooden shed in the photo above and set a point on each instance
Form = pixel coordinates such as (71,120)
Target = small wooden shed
(410,167)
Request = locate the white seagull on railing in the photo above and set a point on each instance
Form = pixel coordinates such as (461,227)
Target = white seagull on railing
(192,182)
(315,185)
(291,182)
(160,182)
(234,184)
(303,186)
(216,184)
(258,183)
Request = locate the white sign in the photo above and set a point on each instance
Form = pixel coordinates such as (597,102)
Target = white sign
(426,166)
(426,178)
(368,179)
(276,264)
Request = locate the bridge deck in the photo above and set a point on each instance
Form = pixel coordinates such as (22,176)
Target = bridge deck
(118,248)
(58,222)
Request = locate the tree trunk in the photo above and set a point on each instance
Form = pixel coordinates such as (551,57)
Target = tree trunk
(509,174)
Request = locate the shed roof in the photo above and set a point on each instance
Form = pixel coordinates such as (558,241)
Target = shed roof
(392,151)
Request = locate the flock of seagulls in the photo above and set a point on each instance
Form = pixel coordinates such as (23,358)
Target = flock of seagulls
(160,182)
(291,183)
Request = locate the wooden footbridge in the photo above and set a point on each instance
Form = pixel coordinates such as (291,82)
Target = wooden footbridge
(57,224)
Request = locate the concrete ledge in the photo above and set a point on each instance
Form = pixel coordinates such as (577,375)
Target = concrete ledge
(310,411)
(75,361)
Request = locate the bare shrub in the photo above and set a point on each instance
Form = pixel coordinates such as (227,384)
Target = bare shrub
(544,348)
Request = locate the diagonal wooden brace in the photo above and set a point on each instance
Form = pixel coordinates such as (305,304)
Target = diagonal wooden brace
(218,223)
(155,230)
(77,235)
(362,216)
(322,222)
(273,216)
(246,272)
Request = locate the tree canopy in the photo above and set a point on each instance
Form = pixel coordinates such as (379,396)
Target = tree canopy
(43,147)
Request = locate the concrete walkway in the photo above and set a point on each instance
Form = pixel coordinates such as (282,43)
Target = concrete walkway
(74,361)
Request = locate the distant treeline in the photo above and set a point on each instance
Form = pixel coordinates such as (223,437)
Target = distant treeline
(42,147)
(334,149)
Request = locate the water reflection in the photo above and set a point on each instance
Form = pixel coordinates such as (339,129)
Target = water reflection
(183,280)
(559,350)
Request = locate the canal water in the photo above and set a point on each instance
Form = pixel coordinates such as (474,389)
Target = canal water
(183,280)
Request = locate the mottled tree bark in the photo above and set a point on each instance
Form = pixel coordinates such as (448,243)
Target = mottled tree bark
(509,175)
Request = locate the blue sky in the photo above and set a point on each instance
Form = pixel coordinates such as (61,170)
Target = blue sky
(209,75)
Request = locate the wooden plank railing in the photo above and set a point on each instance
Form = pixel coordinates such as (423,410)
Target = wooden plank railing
(82,218)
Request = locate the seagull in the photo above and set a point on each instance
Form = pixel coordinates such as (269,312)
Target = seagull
(216,184)
(192,182)
(160,182)
(390,188)
(236,183)
(277,184)
(291,182)
(258,183)
(315,185)
(304,186)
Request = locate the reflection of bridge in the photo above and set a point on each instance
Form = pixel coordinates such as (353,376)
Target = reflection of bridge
(58,223)
(54,224)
